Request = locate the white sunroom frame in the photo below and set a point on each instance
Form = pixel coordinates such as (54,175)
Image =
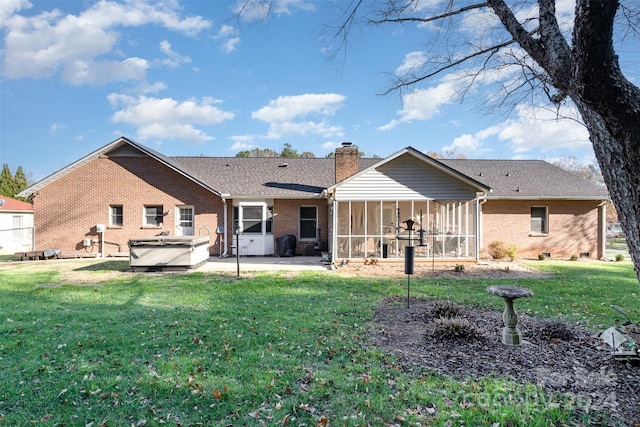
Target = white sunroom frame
(450,202)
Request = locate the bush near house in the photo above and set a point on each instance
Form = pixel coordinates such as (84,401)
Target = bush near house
(498,250)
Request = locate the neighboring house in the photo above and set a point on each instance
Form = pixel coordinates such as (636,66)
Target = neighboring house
(354,208)
(16,226)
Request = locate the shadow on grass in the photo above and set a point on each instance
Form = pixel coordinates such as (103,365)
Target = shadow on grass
(115,265)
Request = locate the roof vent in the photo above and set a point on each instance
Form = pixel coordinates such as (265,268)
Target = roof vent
(480,174)
(518,189)
(508,174)
(283,165)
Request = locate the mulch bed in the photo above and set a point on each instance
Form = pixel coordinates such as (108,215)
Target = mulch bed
(558,357)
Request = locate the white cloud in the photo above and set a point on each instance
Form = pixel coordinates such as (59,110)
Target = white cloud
(145,87)
(79,72)
(541,129)
(42,45)
(228,36)
(413,61)
(286,113)
(330,145)
(242,142)
(166,118)
(55,127)
(10,7)
(533,129)
(258,10)
(423,104)
(472,145)
(173,59)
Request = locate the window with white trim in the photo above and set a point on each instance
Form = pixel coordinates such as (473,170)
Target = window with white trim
(115,215)
(252,219)
(153,216)
(18,230)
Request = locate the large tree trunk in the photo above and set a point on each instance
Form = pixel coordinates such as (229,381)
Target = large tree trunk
(610,106)
(622,176)
(590,75)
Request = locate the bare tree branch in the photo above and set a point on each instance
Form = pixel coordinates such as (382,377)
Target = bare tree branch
(518,32)
(411,82)
(431,18)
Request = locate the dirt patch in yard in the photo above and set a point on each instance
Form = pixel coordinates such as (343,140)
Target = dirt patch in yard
(558,357)
(486,269)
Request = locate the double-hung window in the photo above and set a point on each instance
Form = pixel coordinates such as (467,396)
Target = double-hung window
(308,222)
(153,216)
(539,220)
(115,215)
(17,228)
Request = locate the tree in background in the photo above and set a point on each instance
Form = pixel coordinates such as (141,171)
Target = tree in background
(20,180)
(11,185)
(287,151)
(590,172)
(258,152)
(7,187)
(446,154)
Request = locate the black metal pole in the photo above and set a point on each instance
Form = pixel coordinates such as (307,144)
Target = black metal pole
(237,231)
(238,254)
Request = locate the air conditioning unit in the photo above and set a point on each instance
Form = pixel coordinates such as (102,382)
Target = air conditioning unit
(86,242)
(100,228)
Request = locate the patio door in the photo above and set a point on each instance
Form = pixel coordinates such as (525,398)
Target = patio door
(255,219)
(184,221)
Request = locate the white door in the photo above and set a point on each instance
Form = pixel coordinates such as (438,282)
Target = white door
(184,223)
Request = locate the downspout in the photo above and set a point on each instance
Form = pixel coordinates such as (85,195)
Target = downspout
(478,218)
(224,230)
(331,237)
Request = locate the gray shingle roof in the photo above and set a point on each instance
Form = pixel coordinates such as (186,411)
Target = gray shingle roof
(280,177)
(307,177)
(262,176)
(528,179)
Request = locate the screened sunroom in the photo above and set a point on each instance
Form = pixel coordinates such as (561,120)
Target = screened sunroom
(380,229)
(409,199)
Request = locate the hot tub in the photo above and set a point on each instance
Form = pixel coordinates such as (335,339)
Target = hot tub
(167,253)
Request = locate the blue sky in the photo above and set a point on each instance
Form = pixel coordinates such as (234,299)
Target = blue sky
(188,78)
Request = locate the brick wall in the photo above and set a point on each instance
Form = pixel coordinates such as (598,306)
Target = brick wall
(572,227)
(287,220)
(67,210)
(346,158)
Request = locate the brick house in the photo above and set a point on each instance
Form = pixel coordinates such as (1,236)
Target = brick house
(16,225)
(355,208)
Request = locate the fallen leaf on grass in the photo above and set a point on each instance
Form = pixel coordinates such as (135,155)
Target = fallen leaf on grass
(309,409)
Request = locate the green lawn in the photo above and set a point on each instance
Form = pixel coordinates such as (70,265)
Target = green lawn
(617,246)
(268,349)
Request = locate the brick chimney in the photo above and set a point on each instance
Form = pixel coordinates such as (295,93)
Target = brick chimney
(346,161)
